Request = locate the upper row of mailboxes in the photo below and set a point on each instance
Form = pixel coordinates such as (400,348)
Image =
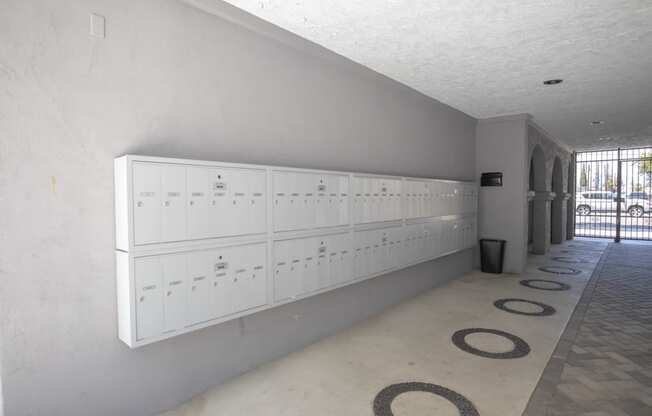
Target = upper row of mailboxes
(174,202)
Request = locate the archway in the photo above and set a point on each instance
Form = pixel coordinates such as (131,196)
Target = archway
(570,203)
(537,211)
(557,223)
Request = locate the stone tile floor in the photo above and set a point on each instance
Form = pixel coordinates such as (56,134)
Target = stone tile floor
(603,362)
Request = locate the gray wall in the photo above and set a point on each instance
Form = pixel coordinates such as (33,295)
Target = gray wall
(171,80)
(501,146)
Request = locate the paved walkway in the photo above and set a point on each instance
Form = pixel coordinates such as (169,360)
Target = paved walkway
(603,363)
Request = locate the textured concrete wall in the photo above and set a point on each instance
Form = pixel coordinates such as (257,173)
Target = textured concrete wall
(170,80)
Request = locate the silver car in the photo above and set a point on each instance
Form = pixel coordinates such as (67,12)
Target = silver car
(605,201)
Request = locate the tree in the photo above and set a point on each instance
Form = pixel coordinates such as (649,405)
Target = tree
(584,180)
(645,165)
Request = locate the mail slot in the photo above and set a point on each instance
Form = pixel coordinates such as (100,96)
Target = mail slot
(491,179)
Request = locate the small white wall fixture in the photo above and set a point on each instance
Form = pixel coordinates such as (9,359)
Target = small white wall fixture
(199,242)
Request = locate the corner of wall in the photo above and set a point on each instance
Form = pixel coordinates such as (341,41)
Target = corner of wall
(501,145)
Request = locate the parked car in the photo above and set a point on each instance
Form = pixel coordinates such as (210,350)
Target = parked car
(638,205)
(639,195)
(605,201)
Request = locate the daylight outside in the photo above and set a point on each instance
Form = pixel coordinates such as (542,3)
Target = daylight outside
(596,186)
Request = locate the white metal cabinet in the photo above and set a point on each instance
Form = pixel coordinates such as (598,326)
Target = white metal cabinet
(323,265)
(149,298)
(200,288)
(394,247)
(417,199)
(286,261)
(283,204)
(438,188)
(343,199)
(222,282)
(470,198)
(173,211)
(323,203)
(346,257)
(334,263)
(201,212)
(447,202)
(361,253)
(340,258)
(164,205)
(245,211)
(175,276)
(295,200)
(225,202)
(307,200)
(147,202)
(250,275)
(357,191)
(395,198)
(310,272)
(337,200)
(376,199)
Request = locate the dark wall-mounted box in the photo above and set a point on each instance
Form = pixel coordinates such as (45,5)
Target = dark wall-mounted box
(491,179)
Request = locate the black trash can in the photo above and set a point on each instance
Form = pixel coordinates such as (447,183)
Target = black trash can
(491,255)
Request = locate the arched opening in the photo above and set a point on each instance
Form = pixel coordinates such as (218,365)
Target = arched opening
(570,204)
(557,207)
(537,213)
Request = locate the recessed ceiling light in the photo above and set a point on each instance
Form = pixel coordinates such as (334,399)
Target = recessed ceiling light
(553,81)
(597,122)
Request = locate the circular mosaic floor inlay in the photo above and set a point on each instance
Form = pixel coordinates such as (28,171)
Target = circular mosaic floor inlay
(521,348)
(384,399)
(564,259)
(558,286)
(545,310)
(586,249)
(559,270)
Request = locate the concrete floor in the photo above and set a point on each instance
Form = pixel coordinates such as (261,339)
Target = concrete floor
(342,374)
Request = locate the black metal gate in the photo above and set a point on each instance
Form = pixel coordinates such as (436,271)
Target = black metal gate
(613,194)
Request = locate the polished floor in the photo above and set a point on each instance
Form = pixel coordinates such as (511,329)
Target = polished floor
(603,365)
(404,362)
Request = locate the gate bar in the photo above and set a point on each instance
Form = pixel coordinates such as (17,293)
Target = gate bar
(618,197)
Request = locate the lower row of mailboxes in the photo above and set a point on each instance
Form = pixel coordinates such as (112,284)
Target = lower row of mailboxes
(177,291)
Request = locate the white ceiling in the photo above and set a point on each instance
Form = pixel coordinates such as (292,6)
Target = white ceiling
(489,58)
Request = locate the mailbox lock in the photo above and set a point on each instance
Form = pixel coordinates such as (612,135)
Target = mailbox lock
(142,298)
(139,204)
(169,293)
